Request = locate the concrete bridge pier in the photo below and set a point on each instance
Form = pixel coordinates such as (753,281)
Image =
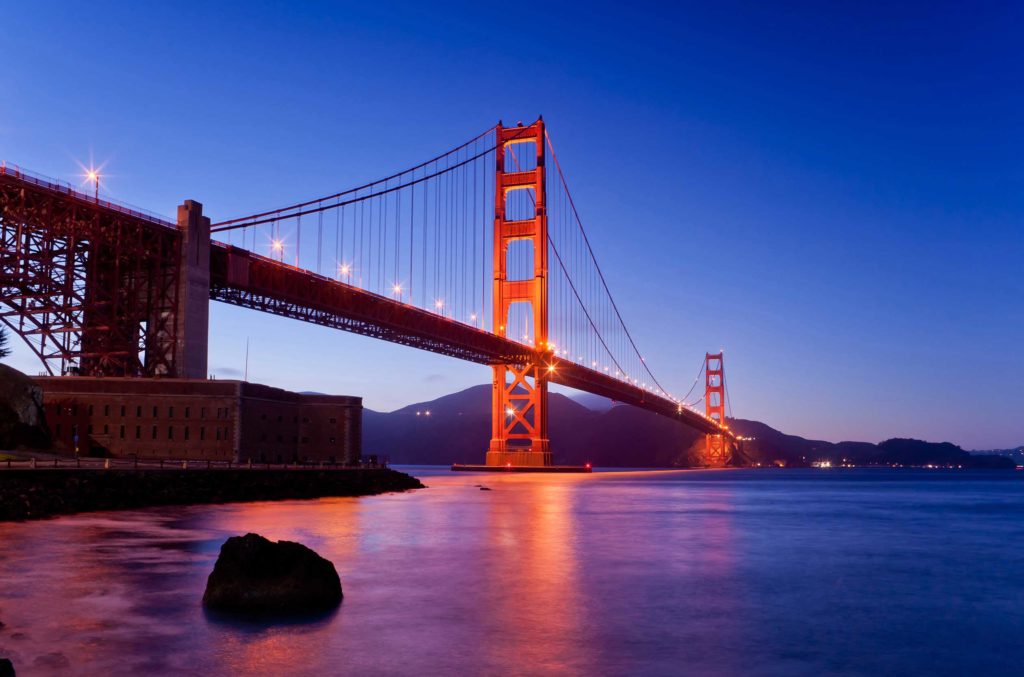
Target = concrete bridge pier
(192,325)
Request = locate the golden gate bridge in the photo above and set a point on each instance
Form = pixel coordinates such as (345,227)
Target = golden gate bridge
(479,253)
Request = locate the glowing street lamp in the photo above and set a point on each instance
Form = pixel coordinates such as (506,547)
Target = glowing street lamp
(397,290)
(93,175)
(277,246)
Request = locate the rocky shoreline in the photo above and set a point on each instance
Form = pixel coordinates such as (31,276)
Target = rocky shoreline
(42,493)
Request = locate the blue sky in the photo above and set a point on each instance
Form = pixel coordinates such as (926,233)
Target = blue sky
(832,193)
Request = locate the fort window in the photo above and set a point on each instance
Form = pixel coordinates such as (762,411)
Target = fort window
(202,433)
(89,431)
(187,412)
(90,410)
(122,432)
(122,411)
(106,429)
(138,432)
(138,412)
(154,432)
(106,410)
(186,433)
(170,412)
(170,432)
(155,413)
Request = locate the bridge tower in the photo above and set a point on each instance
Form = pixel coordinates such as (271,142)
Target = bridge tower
(716,447)
(519,416)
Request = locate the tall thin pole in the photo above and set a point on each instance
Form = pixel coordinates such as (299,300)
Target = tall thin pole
(246,377)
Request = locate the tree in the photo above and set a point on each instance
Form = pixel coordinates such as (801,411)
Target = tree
(4,349)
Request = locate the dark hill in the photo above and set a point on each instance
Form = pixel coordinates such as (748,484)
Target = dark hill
(916,452)
(459,428)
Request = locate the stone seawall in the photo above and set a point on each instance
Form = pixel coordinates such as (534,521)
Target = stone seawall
(40,493)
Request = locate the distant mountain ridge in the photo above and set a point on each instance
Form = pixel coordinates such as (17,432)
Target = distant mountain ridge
(456,428)
(1017,453)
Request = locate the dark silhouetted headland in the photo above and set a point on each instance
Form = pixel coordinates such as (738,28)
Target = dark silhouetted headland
(455,429)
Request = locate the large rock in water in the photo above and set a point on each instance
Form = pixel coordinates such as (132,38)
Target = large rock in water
(21,411)
(259,577)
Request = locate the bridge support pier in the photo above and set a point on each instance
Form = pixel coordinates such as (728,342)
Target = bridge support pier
(519,415)
(717,448)
(519,421)
(193,312)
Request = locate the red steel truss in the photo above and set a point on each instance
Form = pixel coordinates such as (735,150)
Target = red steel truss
(93,287)
(519,400)
(90,286)
(241,278)
(717,445)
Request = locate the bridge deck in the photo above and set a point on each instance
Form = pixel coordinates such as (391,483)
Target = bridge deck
(240,277)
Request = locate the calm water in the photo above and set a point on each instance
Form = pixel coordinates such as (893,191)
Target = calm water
(733,572)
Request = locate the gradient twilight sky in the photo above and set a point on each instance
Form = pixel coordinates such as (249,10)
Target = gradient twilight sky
(832,192)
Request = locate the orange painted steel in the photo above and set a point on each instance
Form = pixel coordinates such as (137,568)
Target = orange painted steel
(519,399)
(242,278)
(716,453)
(46,293)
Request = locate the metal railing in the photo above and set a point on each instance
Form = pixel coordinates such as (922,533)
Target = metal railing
(65,188)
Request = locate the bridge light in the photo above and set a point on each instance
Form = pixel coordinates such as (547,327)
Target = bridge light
(92,175)
(344,269)
(472,316)
(397,288)
(510,411)
(277,246)
(551,368)
(439,304)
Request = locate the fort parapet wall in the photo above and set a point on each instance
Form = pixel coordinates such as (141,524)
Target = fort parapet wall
(199,419)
